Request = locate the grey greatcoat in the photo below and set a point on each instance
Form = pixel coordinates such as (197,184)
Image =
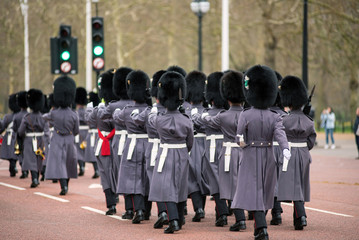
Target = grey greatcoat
(8,144)
(294,184)
(30,124)
(197,179)
(153,138)
(210,166)
(16,124)
(106,164)
(132,174)
(91,137)
(81,137)
(257,170)
(170,185)
(62,161)
(227,122)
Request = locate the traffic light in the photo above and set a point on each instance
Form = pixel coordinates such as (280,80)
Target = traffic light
(64,52)
(98,44)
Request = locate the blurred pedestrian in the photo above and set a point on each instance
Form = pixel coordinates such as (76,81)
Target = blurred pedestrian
(328,122)
(356,130)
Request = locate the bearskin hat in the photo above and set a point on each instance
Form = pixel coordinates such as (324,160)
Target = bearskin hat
(177,69)
(104,83)
(171,90)
(261,86)
(212,90)
(51,101)
(138,86)
(64,91)
(93,97)
(231,87)
(21,99)
(277,100)
(119,82)
(81,96)
(293,92)
(35,100)
(12,103)
(155,78)
(47,106)
(195,82)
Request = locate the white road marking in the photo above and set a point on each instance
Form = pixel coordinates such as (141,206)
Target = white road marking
(322,211)
(51,197)
(103,213)
(12,186)
(95,185)
(4,168)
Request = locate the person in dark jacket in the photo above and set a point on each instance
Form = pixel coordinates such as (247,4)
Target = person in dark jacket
(356,130)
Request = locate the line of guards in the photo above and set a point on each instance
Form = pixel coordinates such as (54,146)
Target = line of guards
(225,135)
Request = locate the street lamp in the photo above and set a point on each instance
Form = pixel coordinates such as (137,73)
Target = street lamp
(200,7)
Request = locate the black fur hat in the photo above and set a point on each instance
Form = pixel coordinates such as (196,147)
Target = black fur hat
(81,96)
(64,91)
(47,106)
(261,86)
(277,102)
(177,69)
(35,99)
(119,82)
(21,99)
(196,82)
(293,92)
(155,78)
(104,83)
(93,97)
(231,87)
(171,90)
(12,103)
(51,101)
(138,86)
(213,93)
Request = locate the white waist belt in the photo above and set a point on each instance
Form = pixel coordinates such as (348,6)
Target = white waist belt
(84,127)
(93,132)
(121,142)
(198,135)
(99,143)
(34,139)
(275,144)
(296,145)
(133,143)
(10,131)
(163,156)
(212,146)
(154,151)
(227,154)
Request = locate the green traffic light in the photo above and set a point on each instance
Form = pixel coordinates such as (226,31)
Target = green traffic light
(98,50)
(65,55)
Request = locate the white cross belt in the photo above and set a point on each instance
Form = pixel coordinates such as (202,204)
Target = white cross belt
(163,156)
(93,132)
(121,142)
(212,145)
(10,131)
(296,145)
(154,151)
(34,139)
(99,143)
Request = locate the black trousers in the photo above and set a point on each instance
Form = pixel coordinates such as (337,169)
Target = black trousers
(161,207)
(277,208)
(81,163)
(175,211)
(259,219)
(95,166)
(64,182)
(198,200)
(148,205)
(34,175)
(221,206)
(110,197)
(137,201)
(128,202)
(12,165)
(298,209)
(239,215)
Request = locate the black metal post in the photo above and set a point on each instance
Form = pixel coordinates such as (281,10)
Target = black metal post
(199,41)
(305,44)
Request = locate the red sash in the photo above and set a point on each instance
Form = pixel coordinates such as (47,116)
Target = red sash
(105,148)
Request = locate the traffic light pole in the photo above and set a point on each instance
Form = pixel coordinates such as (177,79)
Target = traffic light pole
(88,47)
(24,10)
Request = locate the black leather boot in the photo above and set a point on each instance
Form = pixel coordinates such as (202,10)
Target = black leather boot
(162,220)
(139,216)
(127,215)
(240,225)
(221,221)
(24,174)
(261,234)
(276,219)
(199,214)
(173,226)
(81,171)
(111,210)
(300,223)
(64,190)
(95,175)
(35,183)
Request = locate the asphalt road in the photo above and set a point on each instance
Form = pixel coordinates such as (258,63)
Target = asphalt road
(26,213)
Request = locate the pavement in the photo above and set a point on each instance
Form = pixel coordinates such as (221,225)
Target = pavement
(40,213)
